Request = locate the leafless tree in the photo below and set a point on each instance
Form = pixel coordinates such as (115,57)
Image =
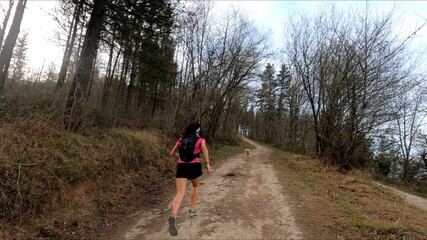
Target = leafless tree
(410,112)
(72,35)
(349,64)
(220,56)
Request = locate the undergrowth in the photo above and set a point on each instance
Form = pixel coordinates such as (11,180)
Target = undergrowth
(38,159)
(360,209)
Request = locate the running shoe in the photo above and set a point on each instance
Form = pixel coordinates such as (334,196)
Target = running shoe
(192,212)
(172,226)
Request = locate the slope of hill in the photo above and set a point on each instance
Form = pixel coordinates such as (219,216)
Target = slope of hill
(332,205)
(273,194)
(61,185)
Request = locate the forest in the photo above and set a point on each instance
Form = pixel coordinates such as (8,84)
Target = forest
(348,90)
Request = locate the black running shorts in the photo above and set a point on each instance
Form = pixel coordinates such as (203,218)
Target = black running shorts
(188,170)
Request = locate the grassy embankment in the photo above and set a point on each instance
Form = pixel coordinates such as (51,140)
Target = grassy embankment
(332,204)
(60,184)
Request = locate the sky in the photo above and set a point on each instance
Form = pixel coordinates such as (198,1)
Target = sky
(40,26)
(272,14)
(44,47)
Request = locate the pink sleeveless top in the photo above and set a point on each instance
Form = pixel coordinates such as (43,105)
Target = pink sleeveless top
(197,150)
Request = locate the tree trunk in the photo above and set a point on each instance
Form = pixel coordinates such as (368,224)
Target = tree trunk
(156,91)
(107,81)
(91,79)
(122,81)
(109,76)
(69,47)
(133,74)
(142,92)
(7,50)
(5,21)
(74,104)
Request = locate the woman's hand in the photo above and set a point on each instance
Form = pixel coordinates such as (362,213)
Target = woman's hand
(209,168)
(206,156)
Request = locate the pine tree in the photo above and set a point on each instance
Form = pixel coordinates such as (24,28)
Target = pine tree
(19,58)
(267,101)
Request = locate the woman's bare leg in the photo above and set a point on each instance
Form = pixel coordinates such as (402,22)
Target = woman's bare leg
(195,192)
(180,192)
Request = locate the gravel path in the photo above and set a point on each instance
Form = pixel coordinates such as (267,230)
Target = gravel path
(241,199)
(410,199)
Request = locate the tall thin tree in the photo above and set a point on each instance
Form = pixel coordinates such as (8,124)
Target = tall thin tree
(77,93)
(7,50)
(5,21)
(70,44)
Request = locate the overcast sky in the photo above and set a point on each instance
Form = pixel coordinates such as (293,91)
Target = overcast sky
(267,14)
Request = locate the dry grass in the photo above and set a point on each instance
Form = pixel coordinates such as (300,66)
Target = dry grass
(38,160)
(350,206)
(58,184)
(218,151)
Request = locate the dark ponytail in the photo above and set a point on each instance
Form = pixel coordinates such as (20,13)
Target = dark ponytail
(190,129)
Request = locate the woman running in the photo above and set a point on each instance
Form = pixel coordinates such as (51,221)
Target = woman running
(189,167)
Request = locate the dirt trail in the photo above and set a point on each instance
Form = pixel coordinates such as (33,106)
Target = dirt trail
(411,199)
(241,199)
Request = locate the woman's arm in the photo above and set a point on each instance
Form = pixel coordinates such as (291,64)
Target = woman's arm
(174,152)
(206,156)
